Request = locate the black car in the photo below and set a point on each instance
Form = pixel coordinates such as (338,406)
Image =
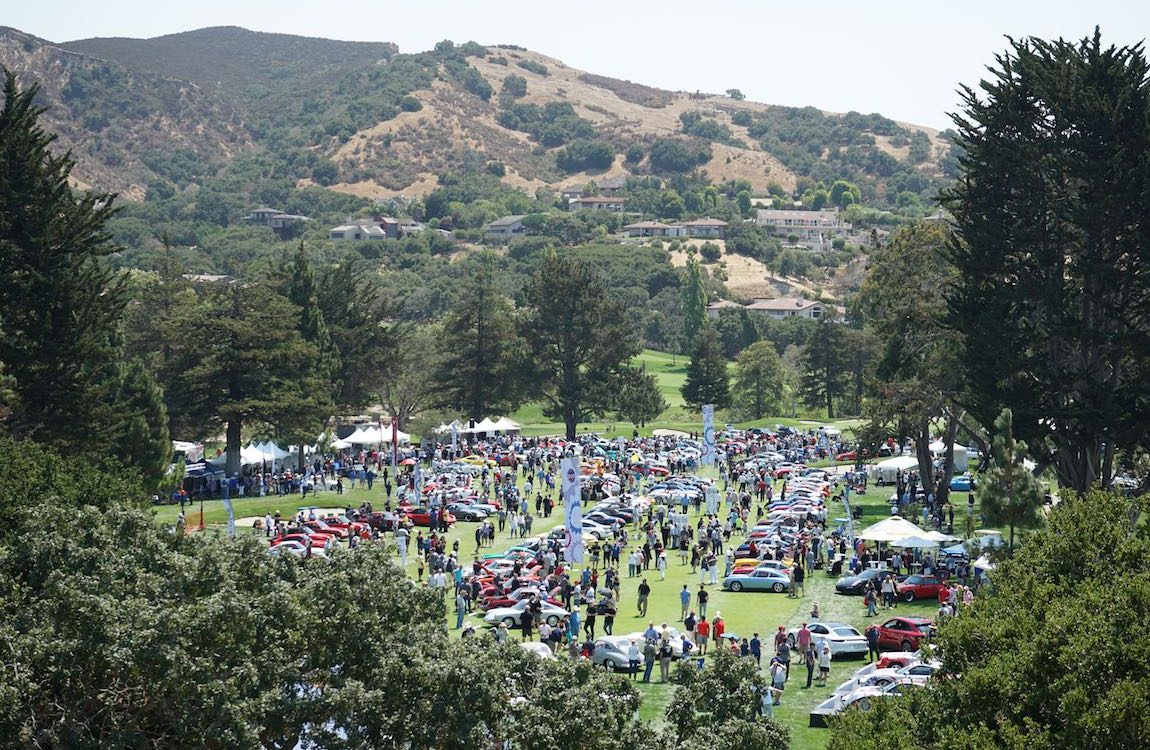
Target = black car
(857,584)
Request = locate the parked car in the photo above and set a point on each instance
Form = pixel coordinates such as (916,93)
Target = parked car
(857,584)
(422,517)
(843,639)
(962,483)
(918,674)
(611,652)
(466,512)
(904,633)
(764,579)
(920,587)
(510,615)
(542,650)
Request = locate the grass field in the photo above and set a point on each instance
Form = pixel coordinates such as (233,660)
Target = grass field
(745,613)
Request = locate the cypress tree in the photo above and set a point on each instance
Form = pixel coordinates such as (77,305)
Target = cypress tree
(59,306)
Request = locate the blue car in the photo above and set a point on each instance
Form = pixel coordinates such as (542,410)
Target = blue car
(962,483)
(760,579)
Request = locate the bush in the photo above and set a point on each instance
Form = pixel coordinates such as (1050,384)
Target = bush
(514,86)
(710,252)
(410,104)
(537,68)
(635,153)
(742,117)
(582,155)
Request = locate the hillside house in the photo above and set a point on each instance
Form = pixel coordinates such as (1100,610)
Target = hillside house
(715,308)
(597,203)
(796,307)
(654,229)
(613,186)
(391,227)
(707,228)
(815,230)
(571,193)
(356,232)
(503,230)
(283,224)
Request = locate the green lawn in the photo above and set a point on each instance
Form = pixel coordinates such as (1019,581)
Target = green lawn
(745,613)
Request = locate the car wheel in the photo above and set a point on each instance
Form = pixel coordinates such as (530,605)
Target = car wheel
(509,622)
(863,704)
(609,666)
(908,596)
(791,641)
(552,620)
(778,588)
(736,586)
(907,646)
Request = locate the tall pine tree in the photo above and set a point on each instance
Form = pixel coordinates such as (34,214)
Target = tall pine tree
(708,379)
(59,306)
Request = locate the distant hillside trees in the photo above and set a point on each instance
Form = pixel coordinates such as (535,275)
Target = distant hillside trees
(582,155)
(514,86)
(676,156)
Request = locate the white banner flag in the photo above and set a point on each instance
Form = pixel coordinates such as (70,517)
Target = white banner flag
(573,508)
(454,439)
(707,457)
(231,515)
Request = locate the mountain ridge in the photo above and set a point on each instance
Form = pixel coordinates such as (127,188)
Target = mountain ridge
(360,117)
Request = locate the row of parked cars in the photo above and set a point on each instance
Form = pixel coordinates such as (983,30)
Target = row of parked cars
(889,676)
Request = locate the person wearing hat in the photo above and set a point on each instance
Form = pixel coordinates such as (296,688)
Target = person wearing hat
(718,627)
(501,633)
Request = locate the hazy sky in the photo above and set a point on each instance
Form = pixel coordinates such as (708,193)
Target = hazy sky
(902,59)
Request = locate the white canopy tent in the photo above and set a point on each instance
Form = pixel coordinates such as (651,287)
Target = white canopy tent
(885,472)
(938,536)
(893,529)
(445,429)
(503,424)
(961,459)
(916,542)
(485,426)
(371,434)
(193,452)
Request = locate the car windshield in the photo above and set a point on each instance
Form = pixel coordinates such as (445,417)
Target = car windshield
(923,627)
(914,579)
(846,631)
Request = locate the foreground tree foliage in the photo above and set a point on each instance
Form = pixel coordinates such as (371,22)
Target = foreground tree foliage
(1052,656)
(715,708)
(119,633)
(1052,301)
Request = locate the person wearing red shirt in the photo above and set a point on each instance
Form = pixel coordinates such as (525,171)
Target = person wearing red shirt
(702,631)
(718,627)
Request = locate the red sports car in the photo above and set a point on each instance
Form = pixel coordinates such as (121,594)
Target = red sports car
(422,517)
(920,587)
(903,633)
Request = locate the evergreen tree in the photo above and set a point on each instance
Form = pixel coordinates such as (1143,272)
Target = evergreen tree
(140,425)
(236,364)
(708,380)
(480,371)
(760,380)
(579,340)
(59,305)
(825,367)
(1010,494)
(355,312)
(694,298)
(639,399)
(1051,250)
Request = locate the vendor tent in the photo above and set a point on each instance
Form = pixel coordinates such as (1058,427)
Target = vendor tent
(938,536)
(916,542)
(885,472)
(893,529)
(661,432)
(486,426)
(370,434)
(340,445)
(503,424)
(938,453)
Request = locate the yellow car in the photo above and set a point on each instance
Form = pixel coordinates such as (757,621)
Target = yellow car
(477,461)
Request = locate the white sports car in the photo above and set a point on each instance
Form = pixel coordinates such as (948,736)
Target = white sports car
(844,639)
(510,615)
